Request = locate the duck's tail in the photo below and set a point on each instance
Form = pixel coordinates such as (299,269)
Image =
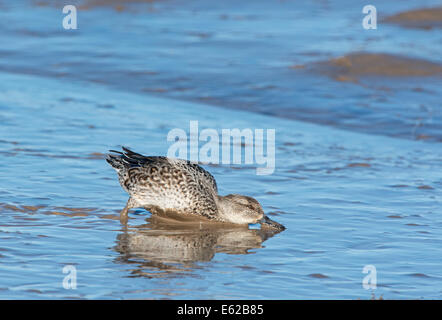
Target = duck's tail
(122,161)
(116,160)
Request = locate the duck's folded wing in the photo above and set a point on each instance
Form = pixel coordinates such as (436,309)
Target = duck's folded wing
(167,183)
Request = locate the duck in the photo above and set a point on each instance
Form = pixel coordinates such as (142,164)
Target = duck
(181,190)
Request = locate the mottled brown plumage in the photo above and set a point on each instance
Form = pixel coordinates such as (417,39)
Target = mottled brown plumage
(179,189)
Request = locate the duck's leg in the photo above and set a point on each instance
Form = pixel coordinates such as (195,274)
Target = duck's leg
(124,213)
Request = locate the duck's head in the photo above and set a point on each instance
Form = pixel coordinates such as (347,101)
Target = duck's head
(240,209)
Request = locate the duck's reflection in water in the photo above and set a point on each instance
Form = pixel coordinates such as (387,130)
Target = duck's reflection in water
(159,248)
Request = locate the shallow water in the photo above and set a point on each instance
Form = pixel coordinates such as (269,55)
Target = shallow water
(367,195)
(254,56)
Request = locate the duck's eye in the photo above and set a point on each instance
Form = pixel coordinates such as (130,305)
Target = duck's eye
(242,201)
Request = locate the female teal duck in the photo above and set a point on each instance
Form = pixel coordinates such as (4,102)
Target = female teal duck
(182,190)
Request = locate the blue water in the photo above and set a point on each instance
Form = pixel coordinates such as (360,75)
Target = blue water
(353,182)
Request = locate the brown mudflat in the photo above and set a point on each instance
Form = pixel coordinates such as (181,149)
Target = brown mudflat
(355,65)
(427,18)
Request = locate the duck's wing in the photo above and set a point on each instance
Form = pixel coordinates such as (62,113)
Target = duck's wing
(123,161)
(196,170)
(166,183)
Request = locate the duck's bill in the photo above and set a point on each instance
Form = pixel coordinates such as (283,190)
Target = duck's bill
(267,223)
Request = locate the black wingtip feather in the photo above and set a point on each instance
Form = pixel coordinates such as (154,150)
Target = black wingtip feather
(129,152)
(115,151)
(127,158)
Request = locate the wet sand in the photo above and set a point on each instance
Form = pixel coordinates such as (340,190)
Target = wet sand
(356,65)
(428,18)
